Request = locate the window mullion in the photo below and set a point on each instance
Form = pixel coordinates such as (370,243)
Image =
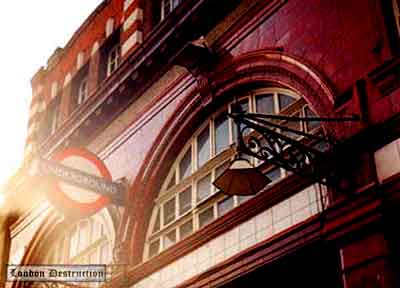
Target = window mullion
(213,190)
(195,154)
(178,232)
(253,102)
(276,103)
(177,206)
(231,126)
(194,205)
(235,201)
(193,161)
(161,215)
(303,126)
(161,241)
(212,139)
(177,173)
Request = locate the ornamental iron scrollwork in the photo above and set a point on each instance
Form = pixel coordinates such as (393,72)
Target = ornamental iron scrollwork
(264,137)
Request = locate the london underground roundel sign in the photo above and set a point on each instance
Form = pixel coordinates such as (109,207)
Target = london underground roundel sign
(72,199)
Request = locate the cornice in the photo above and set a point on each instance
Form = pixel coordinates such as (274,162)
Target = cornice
(145,66)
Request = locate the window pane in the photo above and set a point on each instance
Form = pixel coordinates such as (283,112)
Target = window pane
(204,188)
(221,133)
(265,103)
(165,8)
(294,125)
(104,255)
(97,228)
(186,229)
(285,100)
(244,107)
(156,226)
(243,104)
(169,239)
(321,146)
(172,181)
(176,3)
(169,211)
(242,199)
(225,205)
(203,147)
(220,169)
(154,248)
(73,244)
(274,174)
(102,232)
(206,216)
(312,124)
(82,93)
(84,233)
(185,166)
(113,60)
(185,201)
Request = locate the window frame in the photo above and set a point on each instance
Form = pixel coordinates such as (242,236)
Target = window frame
(50,121)
(210,167)
(83,91)
(81,254)
(172,5)
(113,59)
(79,91)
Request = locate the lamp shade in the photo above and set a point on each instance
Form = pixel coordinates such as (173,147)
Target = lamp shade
(241,178)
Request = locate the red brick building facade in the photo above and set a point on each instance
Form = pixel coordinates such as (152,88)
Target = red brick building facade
(131,87)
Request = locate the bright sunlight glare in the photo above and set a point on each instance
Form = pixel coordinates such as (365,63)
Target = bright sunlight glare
(29,38)
(2,199)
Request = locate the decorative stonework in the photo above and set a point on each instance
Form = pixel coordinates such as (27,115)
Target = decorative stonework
(67,79)
(109,27)
(79,60)
(204,87)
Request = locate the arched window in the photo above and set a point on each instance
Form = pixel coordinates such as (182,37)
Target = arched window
(188,201)
(86,242)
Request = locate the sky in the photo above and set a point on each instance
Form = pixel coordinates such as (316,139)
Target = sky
(30,32)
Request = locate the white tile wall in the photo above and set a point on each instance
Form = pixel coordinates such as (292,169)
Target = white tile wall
(264,225)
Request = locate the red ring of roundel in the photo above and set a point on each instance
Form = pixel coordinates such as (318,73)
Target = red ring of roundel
(64,203)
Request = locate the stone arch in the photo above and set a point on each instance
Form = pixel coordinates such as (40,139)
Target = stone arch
(280,69)
(262,67)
